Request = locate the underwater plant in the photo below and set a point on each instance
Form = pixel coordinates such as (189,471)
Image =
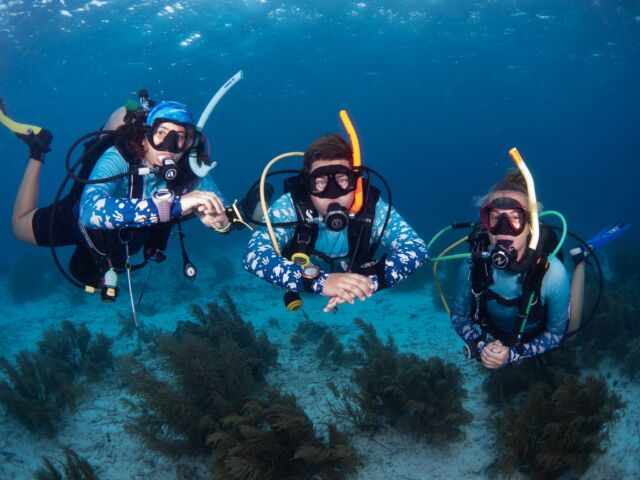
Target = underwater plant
(273,439)
(554,429)
(73,350)
(423,397)
(223,320)
(35,391)
(41,385)
(331,350)
(506,383)
(213,365)
(74,467)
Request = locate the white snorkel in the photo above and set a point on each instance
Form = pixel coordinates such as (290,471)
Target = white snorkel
(201,169)
(531,196)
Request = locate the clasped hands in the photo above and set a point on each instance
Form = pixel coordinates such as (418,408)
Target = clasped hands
(345,288)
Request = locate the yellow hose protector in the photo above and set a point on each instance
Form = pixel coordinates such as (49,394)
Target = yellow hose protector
(357,160)
(263,197)
(532,199)
(17,127)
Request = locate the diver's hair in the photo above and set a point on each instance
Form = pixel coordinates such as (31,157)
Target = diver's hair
(129,137)
(330,146)
(513,181)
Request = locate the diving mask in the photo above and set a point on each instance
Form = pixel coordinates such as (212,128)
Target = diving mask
(332,181)
(165,139)
(504,216)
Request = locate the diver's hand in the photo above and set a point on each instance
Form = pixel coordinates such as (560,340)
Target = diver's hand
(198,201)
(216,221)
(333,304)
(38,144)
(494,354)
(346,287)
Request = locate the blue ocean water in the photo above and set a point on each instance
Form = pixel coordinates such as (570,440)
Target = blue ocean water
(438,90)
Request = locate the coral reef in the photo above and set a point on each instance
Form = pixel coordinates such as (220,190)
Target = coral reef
(273,439)
(554,429)
(73,468)
(41,385)
(419,396)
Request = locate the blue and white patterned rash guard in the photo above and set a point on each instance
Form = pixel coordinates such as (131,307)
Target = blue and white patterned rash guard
(107,206)
(554,295)
(407,251)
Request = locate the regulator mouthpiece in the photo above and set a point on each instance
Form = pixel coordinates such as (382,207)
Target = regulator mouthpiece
(337,217)
(503,254)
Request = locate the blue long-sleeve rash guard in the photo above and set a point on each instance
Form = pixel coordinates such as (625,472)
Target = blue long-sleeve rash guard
(554,295)
(108,206)
(407,251)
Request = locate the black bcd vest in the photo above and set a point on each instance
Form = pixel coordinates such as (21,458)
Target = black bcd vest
(359,230)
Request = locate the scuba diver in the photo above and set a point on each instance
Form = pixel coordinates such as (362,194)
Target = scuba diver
(489,291)
(514,297)
(134,185)
(332,214)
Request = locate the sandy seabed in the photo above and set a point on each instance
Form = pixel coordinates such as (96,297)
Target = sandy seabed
(96,429)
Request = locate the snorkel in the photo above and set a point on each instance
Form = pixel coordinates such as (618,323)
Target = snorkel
(541,262)
(201,169)
(357,160)
(532,200)
(357,164)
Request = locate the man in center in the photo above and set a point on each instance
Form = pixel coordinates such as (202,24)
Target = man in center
(329,250)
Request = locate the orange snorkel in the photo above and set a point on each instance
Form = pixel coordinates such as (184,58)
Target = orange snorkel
(357,160)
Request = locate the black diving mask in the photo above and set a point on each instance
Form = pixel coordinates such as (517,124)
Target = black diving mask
(331,181)
(504,216)
(166,139)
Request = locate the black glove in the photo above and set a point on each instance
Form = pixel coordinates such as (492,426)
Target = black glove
(38,144)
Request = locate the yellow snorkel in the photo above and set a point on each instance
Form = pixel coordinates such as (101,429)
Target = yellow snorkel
(357,160)
(17,127)
(357,163)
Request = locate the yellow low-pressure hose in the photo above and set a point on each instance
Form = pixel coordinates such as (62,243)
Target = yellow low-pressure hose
(532,199)
(436,281)
(263,197)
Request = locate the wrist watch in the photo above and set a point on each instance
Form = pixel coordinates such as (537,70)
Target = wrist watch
(163,200)
(309,271)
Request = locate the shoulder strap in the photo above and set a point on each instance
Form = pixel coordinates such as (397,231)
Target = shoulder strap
(360,229)
(306,232)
